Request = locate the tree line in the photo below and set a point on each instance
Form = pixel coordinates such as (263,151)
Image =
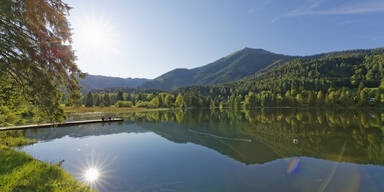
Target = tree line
(354,78)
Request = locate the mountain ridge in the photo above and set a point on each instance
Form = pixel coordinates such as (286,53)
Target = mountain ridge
(233,67)
(102,82)
(236,66)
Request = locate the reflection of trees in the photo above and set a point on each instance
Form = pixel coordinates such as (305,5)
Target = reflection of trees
(240,149)
(321,134)
(81,131)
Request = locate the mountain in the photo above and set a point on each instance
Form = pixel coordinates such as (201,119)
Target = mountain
(102,82)
(337,79)
(233,67)
(319,72)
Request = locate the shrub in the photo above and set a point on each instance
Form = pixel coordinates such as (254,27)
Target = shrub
(124,104)
(144,104)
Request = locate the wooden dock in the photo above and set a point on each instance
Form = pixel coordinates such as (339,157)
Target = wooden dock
(46,125)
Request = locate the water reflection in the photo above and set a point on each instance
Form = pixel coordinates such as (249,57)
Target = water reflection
(243,135)
(281,149)
(321,133)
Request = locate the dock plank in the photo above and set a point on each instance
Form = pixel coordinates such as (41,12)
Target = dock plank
(70,123)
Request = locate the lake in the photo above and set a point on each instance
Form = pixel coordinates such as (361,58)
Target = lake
(203,150)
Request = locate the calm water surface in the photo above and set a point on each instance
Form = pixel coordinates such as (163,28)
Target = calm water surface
(261,150)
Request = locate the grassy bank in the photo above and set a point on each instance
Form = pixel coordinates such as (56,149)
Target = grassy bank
(20,172)
(6,140)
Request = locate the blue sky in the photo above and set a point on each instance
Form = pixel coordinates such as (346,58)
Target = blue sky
(146,38)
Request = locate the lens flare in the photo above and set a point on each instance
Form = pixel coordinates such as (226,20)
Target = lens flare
(293,166)
(95,169)
(327,180)
(91,175)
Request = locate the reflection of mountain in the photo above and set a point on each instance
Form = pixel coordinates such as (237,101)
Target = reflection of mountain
(240,149)
(83,131)
(320,134)
(255,136)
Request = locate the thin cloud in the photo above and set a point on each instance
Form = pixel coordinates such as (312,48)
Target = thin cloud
(313,8)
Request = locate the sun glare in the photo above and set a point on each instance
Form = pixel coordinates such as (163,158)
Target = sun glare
(91,175)
(97,36)
(94,34)
(94,170)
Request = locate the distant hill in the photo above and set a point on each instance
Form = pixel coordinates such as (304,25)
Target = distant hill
(342,79)
(102,82)
(258,69)
(233,67)
(335,69)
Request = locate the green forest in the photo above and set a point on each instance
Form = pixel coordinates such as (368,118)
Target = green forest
(342,79)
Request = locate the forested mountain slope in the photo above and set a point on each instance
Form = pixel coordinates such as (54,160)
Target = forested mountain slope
(343,79)
(230,68)
(339,78)
(334,70)
(102,82)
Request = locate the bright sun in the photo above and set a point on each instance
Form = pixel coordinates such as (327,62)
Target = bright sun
(91,175)
(94,34)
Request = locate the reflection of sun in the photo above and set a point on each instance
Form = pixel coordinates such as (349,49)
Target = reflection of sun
(91,175)
(94,170)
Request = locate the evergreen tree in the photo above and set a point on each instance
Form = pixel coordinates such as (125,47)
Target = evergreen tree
(98,100)
(106,100)
(89,100)
(120,96)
